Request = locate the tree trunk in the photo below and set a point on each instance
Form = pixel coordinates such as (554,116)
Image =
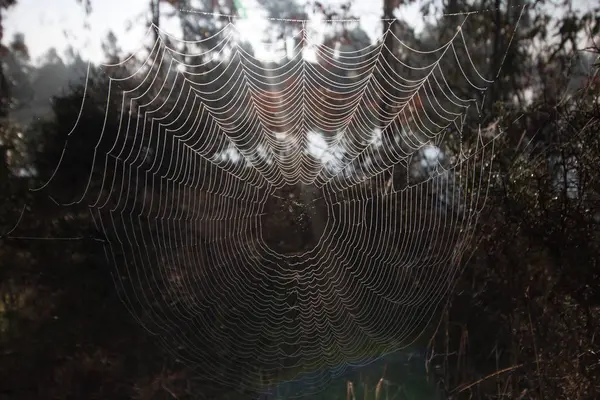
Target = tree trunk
(496,56)
(387,54)
(312,198)
(309,194)
(4,87)
(155,10)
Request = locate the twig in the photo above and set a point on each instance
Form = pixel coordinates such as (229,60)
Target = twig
(169,391)
(537,358)
(462,389)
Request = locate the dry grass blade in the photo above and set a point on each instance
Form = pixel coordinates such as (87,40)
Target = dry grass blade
(350,391)
(493,374)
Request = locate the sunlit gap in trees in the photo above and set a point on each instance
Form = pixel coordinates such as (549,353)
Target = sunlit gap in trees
(331,156)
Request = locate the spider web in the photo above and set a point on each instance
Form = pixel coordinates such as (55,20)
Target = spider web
(272,219)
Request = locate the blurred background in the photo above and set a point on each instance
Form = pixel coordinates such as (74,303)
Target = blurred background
(523,319)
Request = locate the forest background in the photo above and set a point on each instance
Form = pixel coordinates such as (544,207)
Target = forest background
(524,317)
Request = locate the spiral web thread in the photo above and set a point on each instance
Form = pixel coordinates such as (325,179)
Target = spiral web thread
(209,148)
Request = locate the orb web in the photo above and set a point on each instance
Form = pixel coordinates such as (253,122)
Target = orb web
(269,219)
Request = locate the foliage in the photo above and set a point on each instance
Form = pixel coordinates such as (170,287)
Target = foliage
(528,304)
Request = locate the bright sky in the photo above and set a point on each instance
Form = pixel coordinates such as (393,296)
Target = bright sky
(59,23)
